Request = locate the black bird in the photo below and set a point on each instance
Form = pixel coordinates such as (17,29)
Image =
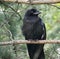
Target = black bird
(34,29)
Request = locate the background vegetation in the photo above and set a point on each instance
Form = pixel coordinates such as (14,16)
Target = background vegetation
(11,17)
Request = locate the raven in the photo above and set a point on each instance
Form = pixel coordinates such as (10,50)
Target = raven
(34,29)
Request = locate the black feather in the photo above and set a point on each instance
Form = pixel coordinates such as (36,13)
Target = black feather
(34,29)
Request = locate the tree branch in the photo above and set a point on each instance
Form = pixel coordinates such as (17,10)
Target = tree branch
(33,1)
(30,42)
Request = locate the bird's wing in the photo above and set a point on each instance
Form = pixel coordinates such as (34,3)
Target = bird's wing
(44,32)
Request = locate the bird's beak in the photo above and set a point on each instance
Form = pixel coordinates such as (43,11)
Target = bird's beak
(36,13)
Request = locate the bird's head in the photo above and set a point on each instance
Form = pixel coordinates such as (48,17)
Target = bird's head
(32,12)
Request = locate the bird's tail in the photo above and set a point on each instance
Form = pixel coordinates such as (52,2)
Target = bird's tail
(36,51)
(42,55)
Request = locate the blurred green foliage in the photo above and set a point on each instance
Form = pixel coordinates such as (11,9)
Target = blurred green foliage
(11,17)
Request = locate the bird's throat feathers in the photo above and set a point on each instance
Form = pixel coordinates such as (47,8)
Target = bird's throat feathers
(32,19)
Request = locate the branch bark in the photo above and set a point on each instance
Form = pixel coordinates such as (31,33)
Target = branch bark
(30,42)
(33,1)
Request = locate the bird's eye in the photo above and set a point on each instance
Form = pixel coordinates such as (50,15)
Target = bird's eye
(33,10)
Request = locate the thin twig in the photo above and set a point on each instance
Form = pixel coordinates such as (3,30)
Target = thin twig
(11,8)
(54,6)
